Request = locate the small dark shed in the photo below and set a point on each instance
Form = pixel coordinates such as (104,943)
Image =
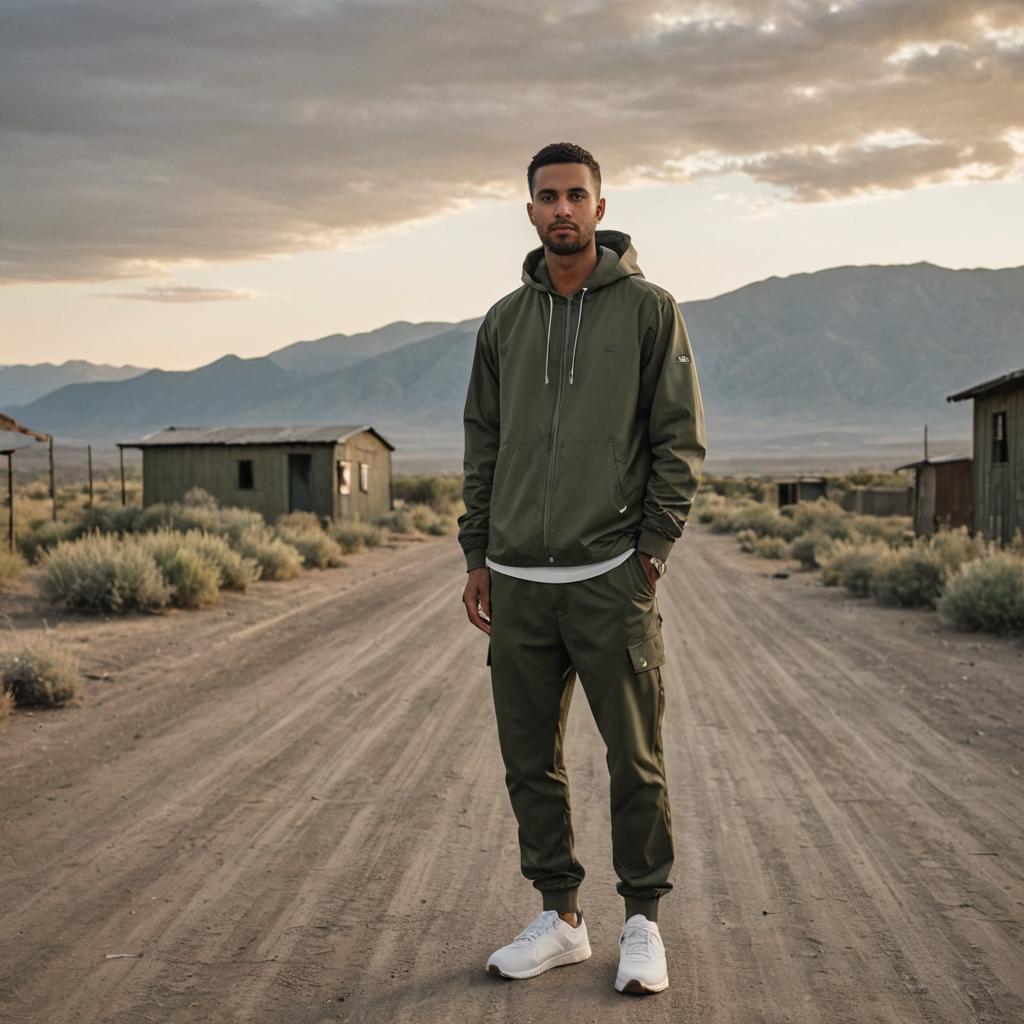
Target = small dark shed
(943,493)
(801,488)
(998,454)
(337,472)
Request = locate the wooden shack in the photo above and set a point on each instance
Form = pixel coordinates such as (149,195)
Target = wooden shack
(943,493)
(801,488)
(879,501)
(998,454)
(336,472)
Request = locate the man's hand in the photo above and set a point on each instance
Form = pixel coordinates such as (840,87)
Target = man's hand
(478,593)
(652,573)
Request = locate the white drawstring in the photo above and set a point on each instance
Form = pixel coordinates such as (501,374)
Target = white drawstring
(579,319)
(547,349)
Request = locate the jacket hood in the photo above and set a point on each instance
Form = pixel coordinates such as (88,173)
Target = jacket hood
(616,259)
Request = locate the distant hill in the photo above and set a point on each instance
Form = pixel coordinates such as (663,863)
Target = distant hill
(22,383)
(850,356)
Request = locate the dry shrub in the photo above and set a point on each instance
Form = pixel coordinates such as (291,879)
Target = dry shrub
(397,520)
(772,547)
(98,572)
(910,577)
(194,580)
(46,534)
(38,673)
(277,560)
(235,572)
(987,594)
(821,517)
(747,540)
(12,565)
(427,520)
(895,531)
(810,548)
(852,565)
(314,546)
(355,536)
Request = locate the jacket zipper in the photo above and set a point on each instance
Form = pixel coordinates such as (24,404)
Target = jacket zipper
(554,424)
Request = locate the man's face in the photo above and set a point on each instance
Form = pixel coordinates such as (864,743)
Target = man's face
(565,209)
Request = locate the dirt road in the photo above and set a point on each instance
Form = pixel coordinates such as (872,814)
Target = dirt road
(291,809)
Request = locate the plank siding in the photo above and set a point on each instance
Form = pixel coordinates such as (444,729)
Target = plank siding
(999,487)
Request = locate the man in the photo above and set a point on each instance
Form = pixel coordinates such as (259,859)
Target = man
(584,446)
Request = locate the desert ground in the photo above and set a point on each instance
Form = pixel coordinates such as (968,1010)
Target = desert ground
(291,808)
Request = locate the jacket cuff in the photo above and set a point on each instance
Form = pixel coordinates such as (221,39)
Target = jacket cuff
(651,543)
(475,559)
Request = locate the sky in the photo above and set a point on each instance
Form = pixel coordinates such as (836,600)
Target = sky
(183,180)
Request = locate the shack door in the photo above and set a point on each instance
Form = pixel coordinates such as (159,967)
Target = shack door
(300,493)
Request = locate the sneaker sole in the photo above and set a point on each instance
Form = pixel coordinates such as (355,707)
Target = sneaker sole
(571,956)
(636,987)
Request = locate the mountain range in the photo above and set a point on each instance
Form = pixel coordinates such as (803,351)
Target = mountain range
(846,356)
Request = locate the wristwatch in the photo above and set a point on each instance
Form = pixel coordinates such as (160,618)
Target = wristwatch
(659,565)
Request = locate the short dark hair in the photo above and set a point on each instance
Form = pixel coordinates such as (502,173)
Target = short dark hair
(563,153)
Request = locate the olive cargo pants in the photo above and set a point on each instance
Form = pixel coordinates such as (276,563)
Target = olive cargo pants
(606,629)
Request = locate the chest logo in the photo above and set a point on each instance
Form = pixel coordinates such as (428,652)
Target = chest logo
(683,359)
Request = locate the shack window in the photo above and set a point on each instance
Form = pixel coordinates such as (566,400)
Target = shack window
(344,477)
(364,476)
(245,475)
(999,445)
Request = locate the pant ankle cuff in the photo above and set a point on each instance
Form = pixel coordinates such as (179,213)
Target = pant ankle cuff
(642,905)
(565,901)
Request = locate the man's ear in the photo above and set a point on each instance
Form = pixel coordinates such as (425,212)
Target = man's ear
(600,208)
(529,213)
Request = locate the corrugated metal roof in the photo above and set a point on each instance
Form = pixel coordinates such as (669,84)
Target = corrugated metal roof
(1007,382)
(939,459)
(318,433)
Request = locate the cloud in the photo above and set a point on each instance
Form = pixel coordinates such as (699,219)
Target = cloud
(136,135)
(181,293)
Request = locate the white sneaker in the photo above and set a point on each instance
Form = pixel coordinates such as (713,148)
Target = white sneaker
(642,966)
(546,942)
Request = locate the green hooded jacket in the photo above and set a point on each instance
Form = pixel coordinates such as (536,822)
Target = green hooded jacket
(583,419)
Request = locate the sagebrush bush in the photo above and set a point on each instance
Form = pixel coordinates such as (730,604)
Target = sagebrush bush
(810,548)
(954,547)
(821,517)
(354,536)
(314,546)
(236,572)
(426,520)
(439,491)
(747,540)
(37,672)
(194,580)
(45,534)
(12,565)
(852,565)
(397,520)
(895,531)
(772,547)
(99,572)
(986,594)
(910,577)
(277,560)
(298,521)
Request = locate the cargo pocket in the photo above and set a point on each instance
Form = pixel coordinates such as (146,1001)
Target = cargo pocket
(648,654)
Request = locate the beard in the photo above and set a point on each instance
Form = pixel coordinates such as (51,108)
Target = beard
(568,245)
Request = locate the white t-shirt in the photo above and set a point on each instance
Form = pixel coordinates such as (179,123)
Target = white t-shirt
(559,573)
